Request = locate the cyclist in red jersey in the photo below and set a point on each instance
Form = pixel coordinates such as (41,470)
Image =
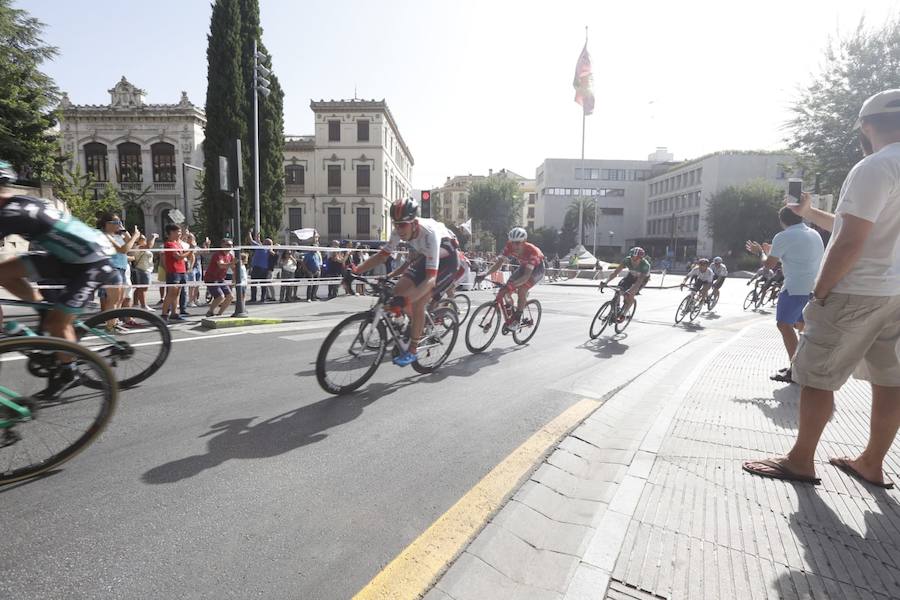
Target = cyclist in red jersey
(530,271)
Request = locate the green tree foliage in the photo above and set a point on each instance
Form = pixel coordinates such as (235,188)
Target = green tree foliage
(82,197)
(856,66)
(229,112)
(547,239)
(496,206)
(26,95)
(745,212)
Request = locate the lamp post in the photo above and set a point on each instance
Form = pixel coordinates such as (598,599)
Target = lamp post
(611,234)
(260,86)
(184,167)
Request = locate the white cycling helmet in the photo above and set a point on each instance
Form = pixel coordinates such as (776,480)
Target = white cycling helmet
(517,234)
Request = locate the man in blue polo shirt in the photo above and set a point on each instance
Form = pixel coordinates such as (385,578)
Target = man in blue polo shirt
(259,265)
(800,250)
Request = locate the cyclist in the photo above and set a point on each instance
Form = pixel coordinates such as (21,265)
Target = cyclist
(530,271)
(73,254)
(638,266)
(702,277)
(720,272)
(436,263)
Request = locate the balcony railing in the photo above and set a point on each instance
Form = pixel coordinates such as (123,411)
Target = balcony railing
(131,186)
(295,188)
(164,186)
(334,189)
(362,189)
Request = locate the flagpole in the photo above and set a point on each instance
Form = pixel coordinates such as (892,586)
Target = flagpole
(583,123)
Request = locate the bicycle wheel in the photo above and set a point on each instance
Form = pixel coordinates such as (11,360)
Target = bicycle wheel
(65,416)
(447,303)
(683,309)
(136,348)
(750,300)
(438,341)
(712,300)
(601,320)
(696,307)
(620,327)
(464,304)
(350,354)
(760,297)
(483,327)
(528,324)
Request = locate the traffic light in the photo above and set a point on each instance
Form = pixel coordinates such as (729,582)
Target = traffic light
(426,203)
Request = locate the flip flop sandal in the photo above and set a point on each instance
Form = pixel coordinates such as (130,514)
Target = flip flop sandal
(847,468)
(778,471)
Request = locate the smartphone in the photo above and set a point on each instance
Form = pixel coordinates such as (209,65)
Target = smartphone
(795,189)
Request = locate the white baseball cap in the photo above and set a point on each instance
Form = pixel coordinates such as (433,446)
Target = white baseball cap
(887,101)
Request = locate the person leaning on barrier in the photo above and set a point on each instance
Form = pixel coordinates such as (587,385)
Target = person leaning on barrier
(853,317)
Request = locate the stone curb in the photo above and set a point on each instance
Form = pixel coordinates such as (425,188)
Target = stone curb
(228,322)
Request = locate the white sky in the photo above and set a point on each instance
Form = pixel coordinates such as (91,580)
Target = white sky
(479,85)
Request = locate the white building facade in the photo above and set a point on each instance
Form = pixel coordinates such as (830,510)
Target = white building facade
(342,179)
(139,148)
(675,222)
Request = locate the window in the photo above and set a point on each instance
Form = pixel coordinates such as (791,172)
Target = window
(362,130)
(295,175)
(334,131)
(130,162)
(163,155)
(578,173)
(696,222)
(95,161)
(362,179)
(334,221)
(530,212)
(295,218)
(334,179)
(362,222)
(612,211)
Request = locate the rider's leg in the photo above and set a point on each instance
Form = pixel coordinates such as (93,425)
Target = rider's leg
(522,292)
(58,323)
(13,277)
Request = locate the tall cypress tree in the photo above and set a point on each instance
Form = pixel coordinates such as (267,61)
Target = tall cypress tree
(225,110)
(271,129)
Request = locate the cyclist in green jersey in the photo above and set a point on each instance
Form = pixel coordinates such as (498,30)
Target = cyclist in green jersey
(638,266)
(75,255)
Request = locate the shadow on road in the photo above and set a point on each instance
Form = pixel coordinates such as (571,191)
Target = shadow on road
(606,347)
(710,316)
(782,409)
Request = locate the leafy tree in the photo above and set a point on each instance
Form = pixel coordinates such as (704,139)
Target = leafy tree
(225,112)
(587,221)
(744,212)
(26,95)
(82,197)
(857,66)
(547,239)
(496,206)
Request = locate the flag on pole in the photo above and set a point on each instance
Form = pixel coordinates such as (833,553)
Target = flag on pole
(584,82)
(467,226)
(304,234)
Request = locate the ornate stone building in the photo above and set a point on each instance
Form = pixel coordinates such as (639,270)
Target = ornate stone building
(139,148)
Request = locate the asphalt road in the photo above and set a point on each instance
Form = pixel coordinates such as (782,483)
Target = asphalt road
(231,474)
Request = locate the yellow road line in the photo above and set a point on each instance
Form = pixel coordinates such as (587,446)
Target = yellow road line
(416,569)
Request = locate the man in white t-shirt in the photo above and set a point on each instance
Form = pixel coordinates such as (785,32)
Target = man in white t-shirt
(853,316)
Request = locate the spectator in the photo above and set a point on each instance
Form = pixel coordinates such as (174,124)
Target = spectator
(174,256)
(800,249)
(335,268)
(141,269)
(853,318)
(312,262)
(219,263)
(288,270)
(189,259)
(193,299)
(112,296)
(259,265)
(272,272)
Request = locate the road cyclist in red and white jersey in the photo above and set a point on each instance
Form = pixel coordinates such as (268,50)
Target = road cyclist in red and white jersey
(435,264)
(530,271)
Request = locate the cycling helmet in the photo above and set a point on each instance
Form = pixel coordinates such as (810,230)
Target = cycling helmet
(517,234)
(702,261)
(637,252)
(717,259)
(7,173)
(404,210)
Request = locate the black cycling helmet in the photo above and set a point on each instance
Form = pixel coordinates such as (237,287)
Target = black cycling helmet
(7,173)
(404,210)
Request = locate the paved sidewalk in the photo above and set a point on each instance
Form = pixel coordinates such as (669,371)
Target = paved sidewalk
(647,499)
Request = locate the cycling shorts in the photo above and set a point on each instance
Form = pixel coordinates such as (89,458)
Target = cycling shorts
(537,273)
(627,282)
(81,281)
(447,268)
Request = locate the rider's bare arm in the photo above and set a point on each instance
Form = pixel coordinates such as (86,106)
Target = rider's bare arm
(614,274)
(372,262)
(497,264)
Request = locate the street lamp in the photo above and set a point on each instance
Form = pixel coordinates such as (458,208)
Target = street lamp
(260,86)
(184,167)
(611,234)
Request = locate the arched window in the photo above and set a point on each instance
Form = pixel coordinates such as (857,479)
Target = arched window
(163,162)
(130,168)
(95,161)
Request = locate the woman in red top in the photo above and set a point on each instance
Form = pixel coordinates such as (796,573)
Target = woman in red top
(176,272)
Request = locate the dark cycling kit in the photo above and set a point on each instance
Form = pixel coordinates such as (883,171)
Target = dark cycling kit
(76,255)
(642,269)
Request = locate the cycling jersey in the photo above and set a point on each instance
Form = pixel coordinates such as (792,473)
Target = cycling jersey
(61,235)
(426,241)
(528,255)
(642,268)
(719,271)
(705,277)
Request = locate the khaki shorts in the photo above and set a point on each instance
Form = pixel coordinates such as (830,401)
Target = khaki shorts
(849,335)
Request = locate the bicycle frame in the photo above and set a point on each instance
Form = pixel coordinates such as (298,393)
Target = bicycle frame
(77,324)
(7,399)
